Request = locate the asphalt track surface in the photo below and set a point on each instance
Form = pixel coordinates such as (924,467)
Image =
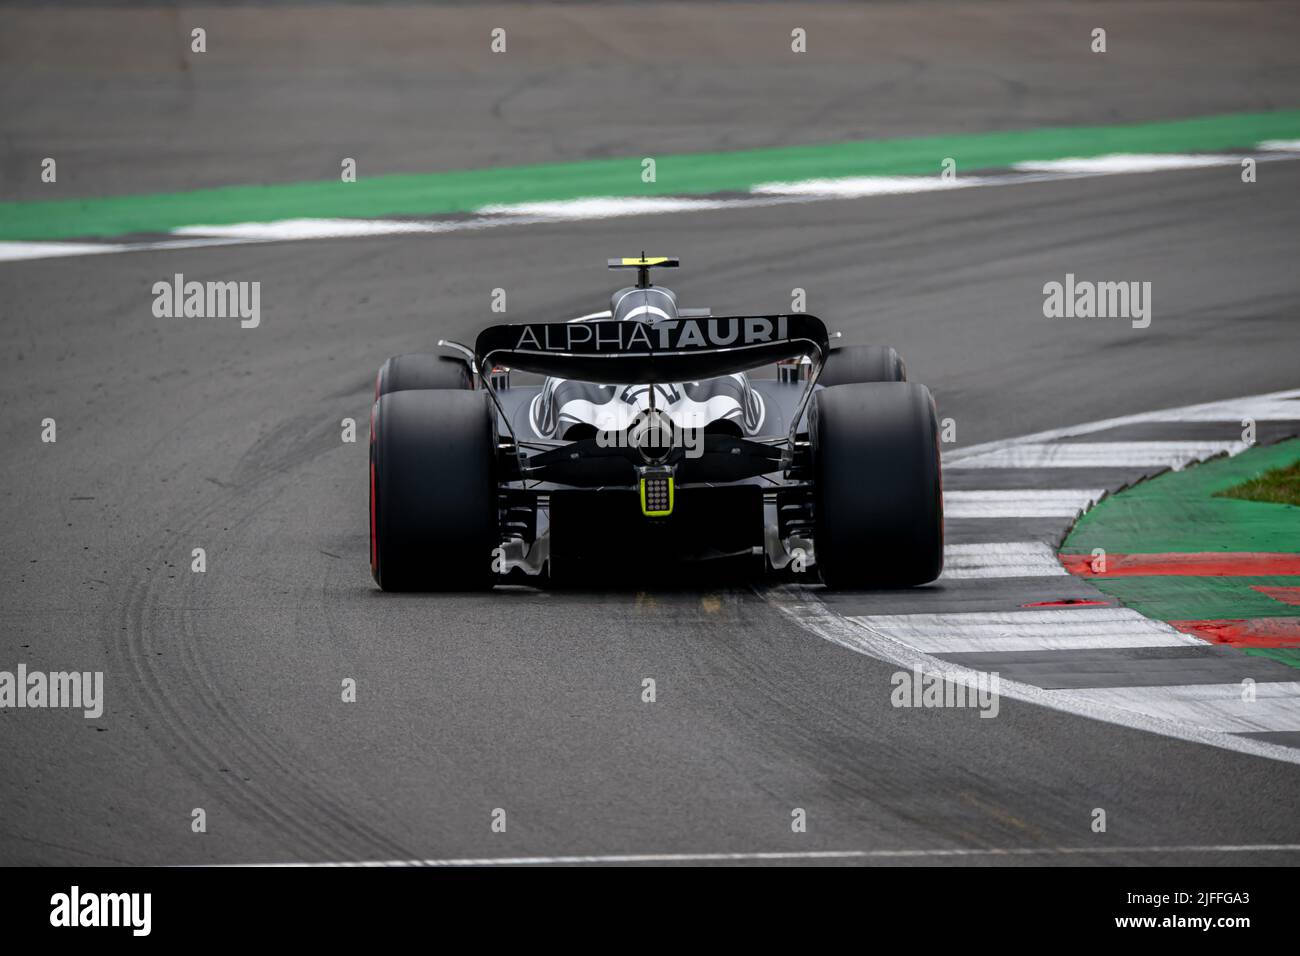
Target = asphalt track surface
(282,93)
(223,688)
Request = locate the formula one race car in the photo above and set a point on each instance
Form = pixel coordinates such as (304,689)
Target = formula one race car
(649,443)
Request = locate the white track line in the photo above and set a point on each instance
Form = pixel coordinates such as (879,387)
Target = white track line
(1210,706)
(18,251)
(810,613)
(861,187)
(1044,629)
(602,207)
(1023,503)
(1107,454)
(1013,559)
(794,855)
(608,207)
(287,230)
(1120,163)
(1274,406)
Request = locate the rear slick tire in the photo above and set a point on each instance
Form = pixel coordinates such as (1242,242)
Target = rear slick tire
(421,370)
(433,491)
(852,364)
(878,489)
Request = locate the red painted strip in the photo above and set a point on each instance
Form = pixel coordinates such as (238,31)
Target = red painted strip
(1285,595)
(1067,602)
(1203,564)
(1253,632)
(374,538)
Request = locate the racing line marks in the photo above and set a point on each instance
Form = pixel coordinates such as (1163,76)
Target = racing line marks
(1025,630)
(1211,706)
(1027,503)
(1012,559)
(860,636)
(1102,662)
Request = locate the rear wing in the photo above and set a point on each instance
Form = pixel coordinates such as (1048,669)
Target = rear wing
(637,353)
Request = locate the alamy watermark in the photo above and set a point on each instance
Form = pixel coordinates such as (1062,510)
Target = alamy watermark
(208,300)
(76,689)
(76,909)
(1084,299)
(654,436)
(933,689)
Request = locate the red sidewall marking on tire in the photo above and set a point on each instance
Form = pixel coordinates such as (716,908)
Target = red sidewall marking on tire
(374,538)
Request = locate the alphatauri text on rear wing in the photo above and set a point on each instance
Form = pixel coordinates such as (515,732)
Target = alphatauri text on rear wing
(676,350)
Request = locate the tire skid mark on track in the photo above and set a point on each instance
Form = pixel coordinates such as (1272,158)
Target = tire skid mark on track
(815,616)
(814,737)
(256,775)
(259,792)
(1196,711)
(192,746)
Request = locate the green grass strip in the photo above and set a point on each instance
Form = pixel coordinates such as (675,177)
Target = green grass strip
(681,174)
(1178,511)
(1277,486)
